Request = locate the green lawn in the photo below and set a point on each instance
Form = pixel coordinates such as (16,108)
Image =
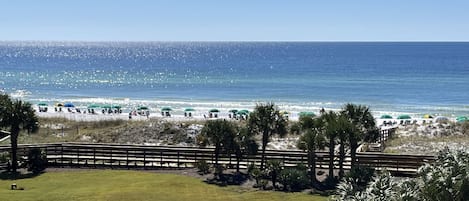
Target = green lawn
(130,185)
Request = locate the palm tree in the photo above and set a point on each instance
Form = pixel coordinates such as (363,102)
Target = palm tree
(312,139)
(344,128)
(273,169)
(267,120)
(16,115)
(330,129)
(219,133)
(365,127)
(243,145)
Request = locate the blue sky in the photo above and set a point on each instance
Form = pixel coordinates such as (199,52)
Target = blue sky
(236,20)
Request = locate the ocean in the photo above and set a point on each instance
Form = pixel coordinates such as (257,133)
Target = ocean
(391,77)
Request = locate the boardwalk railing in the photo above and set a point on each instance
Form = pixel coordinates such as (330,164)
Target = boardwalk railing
(156,157)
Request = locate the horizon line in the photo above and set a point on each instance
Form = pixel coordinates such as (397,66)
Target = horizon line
(243,41)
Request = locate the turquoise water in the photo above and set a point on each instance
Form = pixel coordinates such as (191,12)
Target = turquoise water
(411,78)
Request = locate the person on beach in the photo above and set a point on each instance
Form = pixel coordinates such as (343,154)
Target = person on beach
(130,115)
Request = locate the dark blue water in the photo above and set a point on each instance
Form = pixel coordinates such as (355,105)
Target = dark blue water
(399,77)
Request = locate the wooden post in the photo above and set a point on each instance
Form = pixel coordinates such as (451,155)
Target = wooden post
(178,160)
(62,155)
(78,157)
(144,159)
(94,157)
(161,159)
(110,161)
(127,160)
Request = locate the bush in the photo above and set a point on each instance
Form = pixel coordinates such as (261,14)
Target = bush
(360,175)
(203,167)
(251,167)
(37,160)
(4,157)
(218,172)
(293,179)
(257,174)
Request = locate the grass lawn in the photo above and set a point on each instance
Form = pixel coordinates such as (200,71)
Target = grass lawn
(118,185)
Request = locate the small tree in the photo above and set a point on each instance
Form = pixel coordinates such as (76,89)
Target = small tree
(293,178)
(365,127)
(37,160)
(311,140)
(244,144)
(219,133)
(343,129)
(273,168)
(16,115)
(330,129)
(267,121)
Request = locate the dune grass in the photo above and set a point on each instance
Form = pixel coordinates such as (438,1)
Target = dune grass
(119,185)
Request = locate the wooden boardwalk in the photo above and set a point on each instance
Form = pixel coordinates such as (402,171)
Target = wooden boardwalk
(92,155)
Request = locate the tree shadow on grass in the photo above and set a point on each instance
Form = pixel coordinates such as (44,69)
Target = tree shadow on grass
(228,179)
(5,175)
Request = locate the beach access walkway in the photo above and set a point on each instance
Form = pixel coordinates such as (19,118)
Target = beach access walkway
(118,156)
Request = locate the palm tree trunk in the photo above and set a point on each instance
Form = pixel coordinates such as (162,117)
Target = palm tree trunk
(217,153)
(331,157)
(341,158)
(14,147)
(238,159)
(313,168)
(353,153)
(265,139)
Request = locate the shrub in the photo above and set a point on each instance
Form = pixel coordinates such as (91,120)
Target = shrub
(257,174)
(273,168)
(4,157)
(251,167)
(360,175)
(219,172)
(202,167)
(445,179)
(293,179)
(37,160)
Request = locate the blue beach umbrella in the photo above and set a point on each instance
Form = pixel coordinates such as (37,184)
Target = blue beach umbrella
(69,105)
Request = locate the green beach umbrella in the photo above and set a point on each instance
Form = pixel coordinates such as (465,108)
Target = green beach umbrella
(242,112)
(427,116)
(233,110)
(306,114)
(93,106)
(386,116)
(214,110)
(106,106)
(166,109)
(404,116)
(189,109)
(142,108)
(42,104)
(462,119)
